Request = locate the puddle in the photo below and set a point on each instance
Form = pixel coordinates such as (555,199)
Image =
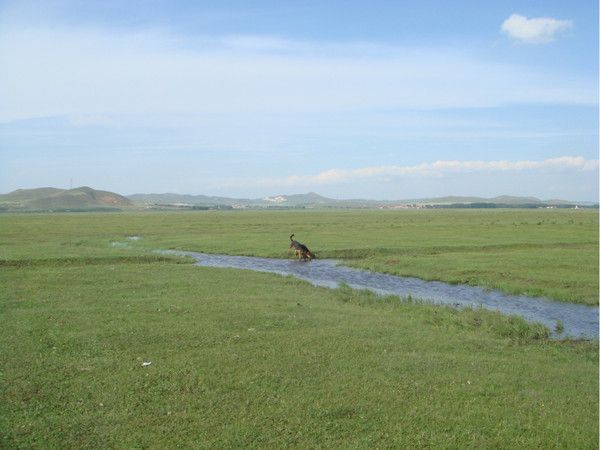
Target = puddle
(127,245)
(120,245)
(580,321)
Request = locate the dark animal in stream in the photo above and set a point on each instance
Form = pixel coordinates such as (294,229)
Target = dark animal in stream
(302,251)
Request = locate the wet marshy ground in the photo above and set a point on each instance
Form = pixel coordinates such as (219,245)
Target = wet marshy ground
(576,321)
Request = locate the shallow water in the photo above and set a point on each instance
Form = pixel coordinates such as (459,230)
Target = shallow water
(580,321)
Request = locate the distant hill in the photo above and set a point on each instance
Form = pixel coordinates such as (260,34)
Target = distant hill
(173,199)
(274,201)
(22,195)
(309,200)
(79,199)
(516,200)
(88,199)
(314,200)
(503,199)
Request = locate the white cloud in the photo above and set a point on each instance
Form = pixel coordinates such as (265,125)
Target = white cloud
(539,30)
(433,169)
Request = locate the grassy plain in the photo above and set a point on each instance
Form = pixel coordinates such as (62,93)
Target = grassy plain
(551,253)
(242,359)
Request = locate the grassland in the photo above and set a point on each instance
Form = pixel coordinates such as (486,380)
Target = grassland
(242,359)
(551,253)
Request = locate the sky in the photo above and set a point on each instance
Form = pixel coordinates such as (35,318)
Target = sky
(350,99)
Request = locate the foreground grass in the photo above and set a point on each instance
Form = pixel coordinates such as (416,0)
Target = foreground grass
(551,253)
(242,359)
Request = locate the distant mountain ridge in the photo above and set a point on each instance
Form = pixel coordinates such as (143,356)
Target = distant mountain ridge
(87,199)
(314,200)
(293,200)
(52,199)
(502,199)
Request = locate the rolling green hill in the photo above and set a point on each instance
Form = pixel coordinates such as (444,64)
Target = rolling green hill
(23,195)
(52,199)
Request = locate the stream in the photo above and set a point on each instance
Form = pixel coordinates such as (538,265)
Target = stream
(579,321)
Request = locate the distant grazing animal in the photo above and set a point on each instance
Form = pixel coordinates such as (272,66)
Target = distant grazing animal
(302,251)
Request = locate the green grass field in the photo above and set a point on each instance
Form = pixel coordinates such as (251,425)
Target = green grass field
(243,359)
(551,253)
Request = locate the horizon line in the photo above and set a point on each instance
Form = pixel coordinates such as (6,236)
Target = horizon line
(434,197)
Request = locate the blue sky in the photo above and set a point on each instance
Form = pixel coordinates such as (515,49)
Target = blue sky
(381,99)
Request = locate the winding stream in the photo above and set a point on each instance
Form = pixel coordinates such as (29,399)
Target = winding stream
(579,321)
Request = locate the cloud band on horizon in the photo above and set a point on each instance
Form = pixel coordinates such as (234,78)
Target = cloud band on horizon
(432,169)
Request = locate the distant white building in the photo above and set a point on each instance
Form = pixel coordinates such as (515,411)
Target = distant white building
(276,199)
